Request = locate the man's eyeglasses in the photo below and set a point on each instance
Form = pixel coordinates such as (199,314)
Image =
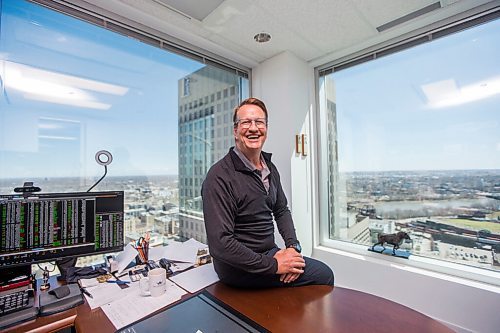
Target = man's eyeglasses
(247,123)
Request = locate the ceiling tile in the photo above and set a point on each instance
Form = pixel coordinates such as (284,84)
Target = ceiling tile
(239,21)
(313,30)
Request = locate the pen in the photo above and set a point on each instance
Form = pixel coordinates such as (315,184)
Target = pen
(86,292)
(122,274)
(118,281)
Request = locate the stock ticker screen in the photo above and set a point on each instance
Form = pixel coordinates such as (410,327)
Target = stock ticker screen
(48,226)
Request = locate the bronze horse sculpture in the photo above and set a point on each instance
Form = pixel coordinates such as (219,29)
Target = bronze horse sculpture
(393,239)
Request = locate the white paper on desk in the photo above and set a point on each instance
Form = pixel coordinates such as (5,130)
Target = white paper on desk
(193,245)
(177,252)
(124,258)
(196,278)
(156,252)
(136,306)
(85,283)
(183,252)
(104,293)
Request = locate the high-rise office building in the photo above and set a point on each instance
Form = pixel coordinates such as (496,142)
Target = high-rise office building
(207,99)
(348,223)
(334,204)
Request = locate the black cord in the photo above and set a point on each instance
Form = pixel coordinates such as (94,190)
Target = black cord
(105,172)
(45,269)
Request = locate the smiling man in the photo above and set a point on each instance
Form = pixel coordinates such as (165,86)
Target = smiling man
(242,194)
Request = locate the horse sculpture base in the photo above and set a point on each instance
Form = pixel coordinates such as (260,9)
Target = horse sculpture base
(388,251)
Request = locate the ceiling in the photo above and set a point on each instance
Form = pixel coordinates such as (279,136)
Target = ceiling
(317,31)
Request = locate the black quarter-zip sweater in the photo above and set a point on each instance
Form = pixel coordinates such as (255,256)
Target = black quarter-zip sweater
(238,213)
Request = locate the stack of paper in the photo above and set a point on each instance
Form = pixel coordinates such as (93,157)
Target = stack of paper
(123,259)
(197,278)
(126,305)
(178,252)
(183,256)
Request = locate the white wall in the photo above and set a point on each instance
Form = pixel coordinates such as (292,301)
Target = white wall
(286,84)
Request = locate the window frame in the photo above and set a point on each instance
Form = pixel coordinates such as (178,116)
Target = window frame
(111,22)
(322,240)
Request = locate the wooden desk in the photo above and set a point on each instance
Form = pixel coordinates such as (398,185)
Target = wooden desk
(324,309)
(301,309)
(50,323)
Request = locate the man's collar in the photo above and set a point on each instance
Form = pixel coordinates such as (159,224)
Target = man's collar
(240,165)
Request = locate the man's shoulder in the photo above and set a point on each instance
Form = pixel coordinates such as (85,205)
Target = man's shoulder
(224,165)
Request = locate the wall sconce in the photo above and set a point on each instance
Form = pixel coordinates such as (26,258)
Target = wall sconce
(298,144)
(301,144)
(304,145)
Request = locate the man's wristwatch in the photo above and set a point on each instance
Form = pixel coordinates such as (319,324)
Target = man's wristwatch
(296,247)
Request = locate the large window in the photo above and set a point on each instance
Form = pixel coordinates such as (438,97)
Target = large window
(70,88)
(411,142)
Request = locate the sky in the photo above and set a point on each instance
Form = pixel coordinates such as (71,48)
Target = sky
(432,107)
(389,112)
(130,90)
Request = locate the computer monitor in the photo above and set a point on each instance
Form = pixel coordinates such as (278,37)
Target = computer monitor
(49,226)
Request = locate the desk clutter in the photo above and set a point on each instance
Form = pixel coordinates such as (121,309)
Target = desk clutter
(149,278)
(142,248)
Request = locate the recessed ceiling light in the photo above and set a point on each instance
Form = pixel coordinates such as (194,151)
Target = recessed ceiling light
(262,37)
